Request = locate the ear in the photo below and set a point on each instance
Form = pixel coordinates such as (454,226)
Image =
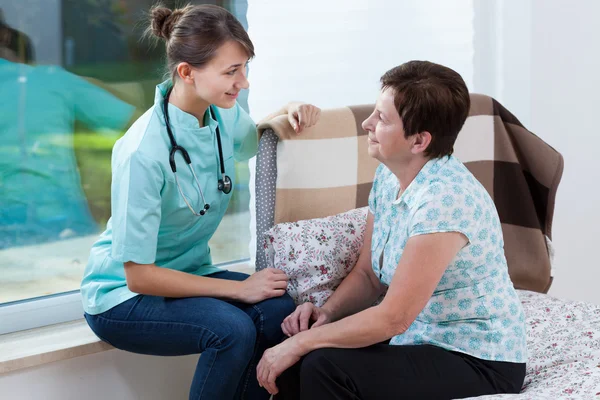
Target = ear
(184,71)
(421,142)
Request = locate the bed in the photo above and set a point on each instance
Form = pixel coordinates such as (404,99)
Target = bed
(327,170)
(563,341)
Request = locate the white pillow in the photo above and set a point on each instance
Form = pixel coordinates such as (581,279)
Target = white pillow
(316,254)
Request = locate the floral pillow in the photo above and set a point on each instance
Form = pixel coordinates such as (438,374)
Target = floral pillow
(316,254)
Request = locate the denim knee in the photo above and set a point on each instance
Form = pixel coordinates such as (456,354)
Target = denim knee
(273,312)
(282,307)
(241,335)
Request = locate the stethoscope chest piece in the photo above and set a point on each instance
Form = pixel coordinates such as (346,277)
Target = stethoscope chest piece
(225,184)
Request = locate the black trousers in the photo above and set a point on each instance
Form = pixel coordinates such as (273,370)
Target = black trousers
(384,372)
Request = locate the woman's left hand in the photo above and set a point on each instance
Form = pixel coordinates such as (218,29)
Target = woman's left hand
(276,360)
(302,115)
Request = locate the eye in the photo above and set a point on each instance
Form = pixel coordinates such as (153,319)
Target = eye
(232,72)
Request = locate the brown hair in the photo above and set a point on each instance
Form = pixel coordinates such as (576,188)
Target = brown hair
(430,97)
(194,33)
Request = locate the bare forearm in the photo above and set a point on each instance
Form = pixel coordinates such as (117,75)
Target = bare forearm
(156,281)
(356,292)
(363,329)
(424,260)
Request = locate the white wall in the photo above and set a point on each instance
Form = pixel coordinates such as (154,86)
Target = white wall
(332,53)
(548,69)
(112,374)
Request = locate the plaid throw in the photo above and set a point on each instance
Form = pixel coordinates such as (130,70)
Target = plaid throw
(327,170)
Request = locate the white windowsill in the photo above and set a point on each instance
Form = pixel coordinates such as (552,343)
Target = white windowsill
(38,346)
(47,344)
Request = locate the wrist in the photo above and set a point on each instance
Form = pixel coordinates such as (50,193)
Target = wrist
(235,290)
(329,311)
(302,342)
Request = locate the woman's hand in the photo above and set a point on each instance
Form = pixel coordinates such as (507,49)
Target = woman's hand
(276,360)
(269,282)
(298,321)
(302,115)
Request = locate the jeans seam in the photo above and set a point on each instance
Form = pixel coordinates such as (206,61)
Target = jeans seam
(207,374)
(139,298)
(164,323)
(99,337)
(218,340)
(251,366)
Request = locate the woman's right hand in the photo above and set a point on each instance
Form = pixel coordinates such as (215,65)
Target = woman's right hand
(298,321)
(262,285)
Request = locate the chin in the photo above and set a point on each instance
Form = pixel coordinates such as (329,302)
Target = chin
(225,104)
(373,153)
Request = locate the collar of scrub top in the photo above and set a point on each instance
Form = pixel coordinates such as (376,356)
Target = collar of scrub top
(224,183)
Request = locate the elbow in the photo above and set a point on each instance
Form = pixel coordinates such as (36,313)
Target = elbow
(134,277)
(400,327)
(397,326)
(396,322)
(134,285)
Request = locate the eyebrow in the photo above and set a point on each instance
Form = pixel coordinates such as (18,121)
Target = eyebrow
(238,65)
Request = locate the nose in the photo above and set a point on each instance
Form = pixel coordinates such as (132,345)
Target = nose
(243,83)
(367,124)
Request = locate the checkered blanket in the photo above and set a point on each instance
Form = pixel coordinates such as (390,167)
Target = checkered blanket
(327,170)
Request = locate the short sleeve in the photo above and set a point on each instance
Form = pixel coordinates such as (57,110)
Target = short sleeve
(444,209)
(245,135)
(373,192)
(136,209)
(94,106)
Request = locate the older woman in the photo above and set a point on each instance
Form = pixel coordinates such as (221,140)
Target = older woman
(451,324)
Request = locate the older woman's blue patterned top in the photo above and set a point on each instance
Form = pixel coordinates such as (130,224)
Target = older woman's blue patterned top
(474,308)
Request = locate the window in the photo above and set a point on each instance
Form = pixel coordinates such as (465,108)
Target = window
(73,74)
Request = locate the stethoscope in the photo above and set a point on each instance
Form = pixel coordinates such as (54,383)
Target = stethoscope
(224,183)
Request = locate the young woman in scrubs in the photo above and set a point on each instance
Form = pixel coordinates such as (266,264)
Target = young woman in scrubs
(150,286)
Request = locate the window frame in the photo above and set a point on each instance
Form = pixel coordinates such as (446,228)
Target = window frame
(58,308)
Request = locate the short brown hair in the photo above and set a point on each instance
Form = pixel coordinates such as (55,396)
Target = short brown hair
(429,97)
(194,33)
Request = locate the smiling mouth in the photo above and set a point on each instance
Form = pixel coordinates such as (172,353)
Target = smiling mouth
(232,94)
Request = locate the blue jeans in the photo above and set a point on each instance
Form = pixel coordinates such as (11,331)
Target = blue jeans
(231,336)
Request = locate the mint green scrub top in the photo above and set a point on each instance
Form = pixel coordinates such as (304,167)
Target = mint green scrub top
(150,221)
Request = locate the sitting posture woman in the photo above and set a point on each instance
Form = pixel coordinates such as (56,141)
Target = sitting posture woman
(451,324)
(150,286)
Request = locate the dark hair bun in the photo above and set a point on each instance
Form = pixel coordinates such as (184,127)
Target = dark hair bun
(163,21)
